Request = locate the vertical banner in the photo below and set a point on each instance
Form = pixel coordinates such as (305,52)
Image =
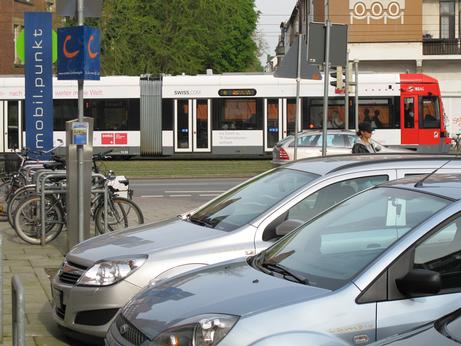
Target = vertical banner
(38,81)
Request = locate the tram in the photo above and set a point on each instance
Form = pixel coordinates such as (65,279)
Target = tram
(228,115)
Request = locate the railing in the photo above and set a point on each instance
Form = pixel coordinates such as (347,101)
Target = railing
(18,312)
(441,46)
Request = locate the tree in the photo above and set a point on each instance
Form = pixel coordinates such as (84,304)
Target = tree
(178,36)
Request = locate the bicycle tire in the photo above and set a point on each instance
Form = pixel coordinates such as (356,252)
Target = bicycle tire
(122,213)
(27,220)
(18,196)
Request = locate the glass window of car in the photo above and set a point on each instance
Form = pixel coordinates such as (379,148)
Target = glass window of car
(331,195)
(441,252)
(246,202)
(305,141)
(334,248)
(453,328)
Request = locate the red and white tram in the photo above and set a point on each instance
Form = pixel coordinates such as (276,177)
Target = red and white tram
(229,114)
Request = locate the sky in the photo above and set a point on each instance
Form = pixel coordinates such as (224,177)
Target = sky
(273,12)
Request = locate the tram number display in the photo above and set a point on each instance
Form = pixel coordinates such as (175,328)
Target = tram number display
(237,92)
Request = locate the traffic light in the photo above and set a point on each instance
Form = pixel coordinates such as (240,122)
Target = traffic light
(339,82)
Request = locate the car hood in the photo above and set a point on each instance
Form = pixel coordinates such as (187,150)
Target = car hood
(145,239)
(233,288)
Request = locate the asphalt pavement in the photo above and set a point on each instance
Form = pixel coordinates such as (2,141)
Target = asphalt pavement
(34,264)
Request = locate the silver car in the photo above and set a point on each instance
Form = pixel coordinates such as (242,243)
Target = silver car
(310,145)
(100,275)
(379,263)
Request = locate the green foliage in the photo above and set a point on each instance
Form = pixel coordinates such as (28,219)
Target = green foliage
(178,36)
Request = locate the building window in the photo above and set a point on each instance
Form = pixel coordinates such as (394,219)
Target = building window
(17,29)
(447,19)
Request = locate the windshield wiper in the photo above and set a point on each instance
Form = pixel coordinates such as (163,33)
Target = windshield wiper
(278,268)
(200,222)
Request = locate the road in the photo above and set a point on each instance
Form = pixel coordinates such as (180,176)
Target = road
(164,198)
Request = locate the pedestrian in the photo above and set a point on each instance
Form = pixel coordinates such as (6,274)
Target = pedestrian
(363,145)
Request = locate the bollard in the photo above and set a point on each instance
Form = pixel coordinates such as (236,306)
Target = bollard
(18,312)
(1,289)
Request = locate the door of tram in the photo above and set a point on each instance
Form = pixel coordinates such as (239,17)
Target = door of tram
(192,125)
(272,123)
(11,125)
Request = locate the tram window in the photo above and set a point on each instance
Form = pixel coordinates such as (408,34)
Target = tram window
(378,112)
(409,112)
(64,110)
(429,114)
(167,114)
(114,114)
(313,119)
(238,114)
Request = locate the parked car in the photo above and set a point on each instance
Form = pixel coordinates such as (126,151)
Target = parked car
(310,145)
(379,263)
(445,331)
(100,275)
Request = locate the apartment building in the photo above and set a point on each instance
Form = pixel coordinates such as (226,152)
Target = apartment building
(11,23)
(396,36)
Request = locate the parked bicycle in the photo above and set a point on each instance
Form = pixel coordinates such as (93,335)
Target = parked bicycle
(121,212)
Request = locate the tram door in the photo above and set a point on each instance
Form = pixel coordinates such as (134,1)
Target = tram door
(272,123)
(289,117)
(192,126)
(409,119)
(11,126)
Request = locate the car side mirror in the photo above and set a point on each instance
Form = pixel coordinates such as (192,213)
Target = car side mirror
(419,281)
(287,226)
(378,148)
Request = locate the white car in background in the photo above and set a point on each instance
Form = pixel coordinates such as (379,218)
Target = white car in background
(339,142)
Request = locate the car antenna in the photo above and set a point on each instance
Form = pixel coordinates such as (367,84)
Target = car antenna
(420,182)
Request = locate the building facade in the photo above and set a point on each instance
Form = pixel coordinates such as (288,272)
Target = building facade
(11,24)
(404,36)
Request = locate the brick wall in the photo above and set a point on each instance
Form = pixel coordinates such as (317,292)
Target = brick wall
(11,13)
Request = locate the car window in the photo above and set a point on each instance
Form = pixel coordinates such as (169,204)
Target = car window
(453,329)
(332,249)
(306,141)
(246,202)
(442,253)
(333,140)
(331,195)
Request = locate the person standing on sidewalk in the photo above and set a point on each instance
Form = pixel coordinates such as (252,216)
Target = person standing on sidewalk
(363,145)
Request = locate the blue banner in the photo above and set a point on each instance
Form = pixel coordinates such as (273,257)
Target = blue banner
(38,82)
(79,55)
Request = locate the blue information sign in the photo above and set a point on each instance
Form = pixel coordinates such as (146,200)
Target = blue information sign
(38,82)
(79,55)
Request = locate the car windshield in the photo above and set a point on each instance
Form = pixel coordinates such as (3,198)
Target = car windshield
(246,202)
(333,248)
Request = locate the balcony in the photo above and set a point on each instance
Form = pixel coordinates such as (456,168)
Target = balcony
(441,46)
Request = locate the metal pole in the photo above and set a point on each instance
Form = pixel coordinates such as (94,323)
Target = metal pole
(346,95)
(298,88)
(1,288)
(18,312)
(356,67)
(80,147)
(326,86)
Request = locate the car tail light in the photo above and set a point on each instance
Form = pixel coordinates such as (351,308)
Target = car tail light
(283,154)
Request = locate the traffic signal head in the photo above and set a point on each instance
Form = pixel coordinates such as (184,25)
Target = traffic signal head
(339,82)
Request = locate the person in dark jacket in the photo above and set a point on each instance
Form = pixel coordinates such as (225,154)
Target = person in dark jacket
(363,145)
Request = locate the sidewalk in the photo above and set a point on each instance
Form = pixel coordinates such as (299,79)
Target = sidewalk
(35,264)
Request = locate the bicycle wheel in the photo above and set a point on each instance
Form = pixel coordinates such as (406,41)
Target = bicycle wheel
(28,224)
(121,213)
(19,195)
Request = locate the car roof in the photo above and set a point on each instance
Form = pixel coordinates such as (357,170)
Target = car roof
(445,185)
(338,163)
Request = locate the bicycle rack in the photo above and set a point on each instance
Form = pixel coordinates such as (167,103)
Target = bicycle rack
(44,190)
(18,312)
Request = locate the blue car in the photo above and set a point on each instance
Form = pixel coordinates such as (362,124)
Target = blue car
(381,262)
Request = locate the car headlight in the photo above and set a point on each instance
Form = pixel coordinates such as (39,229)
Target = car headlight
(110,271)
(202,330)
